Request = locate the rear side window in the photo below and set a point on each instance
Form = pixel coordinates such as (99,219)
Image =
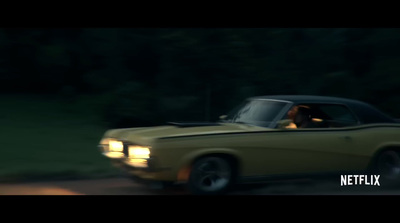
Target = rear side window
(370,114)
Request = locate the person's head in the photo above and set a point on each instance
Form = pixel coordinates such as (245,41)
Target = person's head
(303,115)
(292,113)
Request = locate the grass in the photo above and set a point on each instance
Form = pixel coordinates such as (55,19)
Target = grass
(45,138)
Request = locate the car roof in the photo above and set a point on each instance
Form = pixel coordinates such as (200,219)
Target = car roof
(309,98)
(365,111)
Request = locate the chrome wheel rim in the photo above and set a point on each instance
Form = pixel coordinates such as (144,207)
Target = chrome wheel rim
(212,174)
(389,165)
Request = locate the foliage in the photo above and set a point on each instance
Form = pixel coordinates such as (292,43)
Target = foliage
(150,76)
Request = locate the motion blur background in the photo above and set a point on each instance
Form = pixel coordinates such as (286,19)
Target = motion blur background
(62,88)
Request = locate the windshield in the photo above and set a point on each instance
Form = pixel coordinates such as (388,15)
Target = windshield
(256,112)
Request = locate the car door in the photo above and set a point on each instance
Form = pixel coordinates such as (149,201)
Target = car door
(313,150)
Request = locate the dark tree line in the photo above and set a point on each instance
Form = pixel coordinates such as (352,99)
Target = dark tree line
(149,76)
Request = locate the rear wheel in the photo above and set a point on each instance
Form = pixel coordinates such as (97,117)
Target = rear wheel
(210,175)
(388,166)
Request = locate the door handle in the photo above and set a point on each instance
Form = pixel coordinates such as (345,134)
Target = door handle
(346,137)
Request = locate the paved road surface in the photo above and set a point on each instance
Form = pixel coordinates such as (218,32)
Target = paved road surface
(123,186)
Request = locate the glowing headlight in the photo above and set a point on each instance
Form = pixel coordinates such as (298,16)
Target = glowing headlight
(114,154)
(116,146)
(139,152)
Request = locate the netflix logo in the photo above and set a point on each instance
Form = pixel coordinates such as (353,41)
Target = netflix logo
(350,180)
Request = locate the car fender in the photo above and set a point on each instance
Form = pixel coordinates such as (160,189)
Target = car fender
(184,165)
(381,147)
(385,145)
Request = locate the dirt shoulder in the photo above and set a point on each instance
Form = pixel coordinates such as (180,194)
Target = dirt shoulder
(125,186)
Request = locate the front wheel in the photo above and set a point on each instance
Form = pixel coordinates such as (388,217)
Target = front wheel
(210,176)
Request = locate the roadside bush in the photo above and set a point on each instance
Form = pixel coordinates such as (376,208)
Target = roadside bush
(132,104)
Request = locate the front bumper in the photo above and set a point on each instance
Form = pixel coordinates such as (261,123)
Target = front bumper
(150,173)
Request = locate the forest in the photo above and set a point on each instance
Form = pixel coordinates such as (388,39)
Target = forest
(148,76)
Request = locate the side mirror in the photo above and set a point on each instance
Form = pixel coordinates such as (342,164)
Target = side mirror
(223,117)
(285,124)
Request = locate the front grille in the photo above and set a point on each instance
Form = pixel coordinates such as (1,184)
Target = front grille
(126,150)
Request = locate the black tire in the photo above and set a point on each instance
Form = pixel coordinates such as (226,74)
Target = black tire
(387,165)
(211,175)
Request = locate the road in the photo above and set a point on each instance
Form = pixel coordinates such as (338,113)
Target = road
(124,186)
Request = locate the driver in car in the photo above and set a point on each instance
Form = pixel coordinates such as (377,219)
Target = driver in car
(303,118)
(300,117)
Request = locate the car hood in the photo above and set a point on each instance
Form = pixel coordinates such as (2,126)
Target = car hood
(147,134)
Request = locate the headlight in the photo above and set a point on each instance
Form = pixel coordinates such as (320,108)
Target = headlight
(139,152)
(112,148)
(116,146)
(114,155)
(138,156)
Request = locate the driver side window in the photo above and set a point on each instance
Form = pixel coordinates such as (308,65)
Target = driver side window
(320,116)
(338,115)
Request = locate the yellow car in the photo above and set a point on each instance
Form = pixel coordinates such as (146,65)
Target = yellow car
(263,138)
